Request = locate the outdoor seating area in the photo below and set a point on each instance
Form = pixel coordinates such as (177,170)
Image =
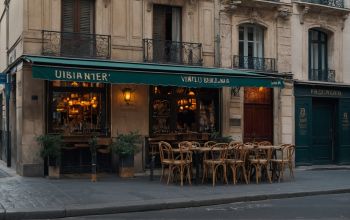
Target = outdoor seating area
(232,162)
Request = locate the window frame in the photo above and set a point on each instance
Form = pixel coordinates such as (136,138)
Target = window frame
(105,91)
(172,98)
(322,75)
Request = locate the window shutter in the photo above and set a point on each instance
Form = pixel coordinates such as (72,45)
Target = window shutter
(86,16)
(159,22)
(67,16)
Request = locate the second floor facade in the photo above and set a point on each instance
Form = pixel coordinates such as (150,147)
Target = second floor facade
(306,38)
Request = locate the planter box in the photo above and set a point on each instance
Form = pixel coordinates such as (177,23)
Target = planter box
(126,166)
(54,172)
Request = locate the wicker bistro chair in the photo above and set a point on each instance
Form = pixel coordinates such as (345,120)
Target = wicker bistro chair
(166,158)
(209,143)
(264,143)
(215,159)
(236,161)
(284,158)
(259,160)
(183,163)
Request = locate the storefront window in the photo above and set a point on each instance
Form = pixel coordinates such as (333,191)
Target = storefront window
(181,110)
(77,108)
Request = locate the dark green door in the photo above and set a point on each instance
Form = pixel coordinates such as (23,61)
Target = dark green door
(322,131)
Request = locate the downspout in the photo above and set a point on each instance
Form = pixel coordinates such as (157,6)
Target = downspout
(217,58)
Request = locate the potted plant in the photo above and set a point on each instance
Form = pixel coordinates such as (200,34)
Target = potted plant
(51,151)
(125,146)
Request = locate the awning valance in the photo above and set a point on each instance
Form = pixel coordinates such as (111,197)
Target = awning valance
(105,71)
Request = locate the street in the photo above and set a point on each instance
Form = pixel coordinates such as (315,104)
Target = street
(336,206)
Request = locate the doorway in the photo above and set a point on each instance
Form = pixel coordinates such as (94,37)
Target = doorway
(323,131)
(258,114)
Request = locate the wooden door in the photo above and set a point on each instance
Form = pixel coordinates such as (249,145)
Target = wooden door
(322,132)
(258,114)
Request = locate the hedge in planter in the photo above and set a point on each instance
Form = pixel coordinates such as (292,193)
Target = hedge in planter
(125,146)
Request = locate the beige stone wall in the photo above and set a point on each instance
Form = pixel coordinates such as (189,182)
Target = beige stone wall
(277,45)
(127,21)
(330,22)
(346,49)
(130,117)
(30,122)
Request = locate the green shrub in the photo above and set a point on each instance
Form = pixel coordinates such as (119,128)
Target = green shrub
(50,147)
(126,144)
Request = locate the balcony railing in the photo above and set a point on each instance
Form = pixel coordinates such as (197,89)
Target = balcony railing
(255,63)
(68,44)
(160,51)
(332,3)
(322,75)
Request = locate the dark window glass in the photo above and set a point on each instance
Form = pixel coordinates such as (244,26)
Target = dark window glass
(77,109)
(179,109)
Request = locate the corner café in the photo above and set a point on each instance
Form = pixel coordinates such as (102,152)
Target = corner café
(80,97)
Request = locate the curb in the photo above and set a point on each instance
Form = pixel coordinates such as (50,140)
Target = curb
(140,206)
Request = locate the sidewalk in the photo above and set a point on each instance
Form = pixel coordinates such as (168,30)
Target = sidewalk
(44,198)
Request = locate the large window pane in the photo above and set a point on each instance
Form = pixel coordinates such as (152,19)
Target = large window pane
(182,110)
(77,110)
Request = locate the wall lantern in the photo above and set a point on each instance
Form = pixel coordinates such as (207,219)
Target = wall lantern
(127,95)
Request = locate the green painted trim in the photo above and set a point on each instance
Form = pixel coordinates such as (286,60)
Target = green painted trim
(105,71)
(132,77)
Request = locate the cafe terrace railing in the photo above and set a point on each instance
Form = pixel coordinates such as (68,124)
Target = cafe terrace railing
(254,63)
(174,52)
(322,75)
(69,44)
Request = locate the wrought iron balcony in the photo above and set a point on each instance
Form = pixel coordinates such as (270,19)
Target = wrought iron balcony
(159,51)
(322,75)
(255,63)
(331,3)
(68,44)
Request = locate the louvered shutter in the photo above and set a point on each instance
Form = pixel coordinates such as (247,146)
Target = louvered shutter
(159,33)
(159,22)
(68,15)
(86,16)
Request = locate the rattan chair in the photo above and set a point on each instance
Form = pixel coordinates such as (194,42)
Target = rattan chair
(284,158)
(166,158)
(209,143)
(237,161)
(260,160)
(183,163)
(264,143)
(215,159)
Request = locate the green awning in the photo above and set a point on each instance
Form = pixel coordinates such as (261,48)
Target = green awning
(106,71)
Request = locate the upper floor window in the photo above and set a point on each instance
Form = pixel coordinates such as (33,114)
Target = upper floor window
(167,34)
(251,41)
(318,56)
(78,16)
(251,49)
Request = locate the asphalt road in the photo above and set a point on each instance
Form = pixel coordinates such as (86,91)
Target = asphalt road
(313,207)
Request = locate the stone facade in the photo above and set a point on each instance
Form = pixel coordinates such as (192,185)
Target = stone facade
(214,23)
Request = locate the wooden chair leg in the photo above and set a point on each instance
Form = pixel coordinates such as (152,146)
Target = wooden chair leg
(225,174)
(245,174)
(257,171)
(214,174)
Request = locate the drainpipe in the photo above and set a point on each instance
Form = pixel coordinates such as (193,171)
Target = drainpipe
(217,58)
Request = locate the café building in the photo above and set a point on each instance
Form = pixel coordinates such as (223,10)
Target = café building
(81,98)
